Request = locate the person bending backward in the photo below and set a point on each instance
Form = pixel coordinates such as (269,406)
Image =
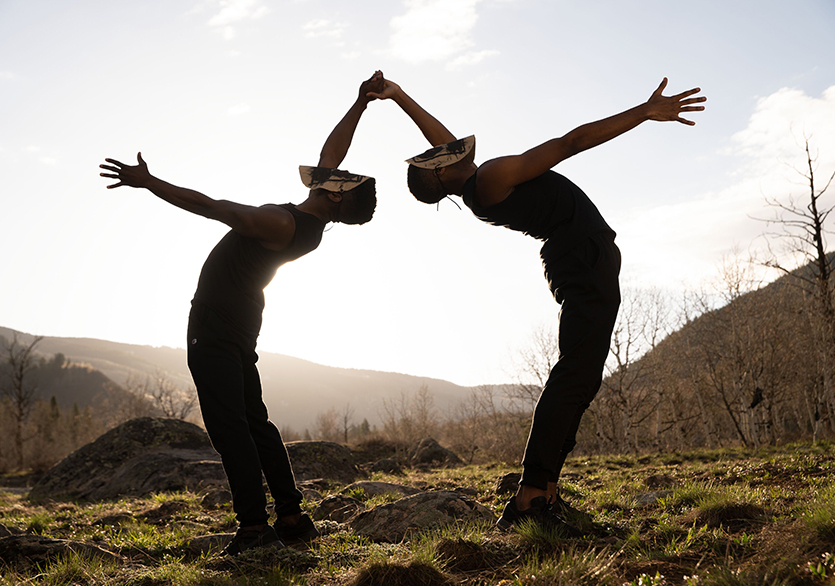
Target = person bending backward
(579,256)
(225,320)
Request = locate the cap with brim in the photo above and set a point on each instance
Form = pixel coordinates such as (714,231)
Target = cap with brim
(330,179)
(444,155)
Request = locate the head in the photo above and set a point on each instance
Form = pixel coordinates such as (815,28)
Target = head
(425,184)
(357,205)
(441,170)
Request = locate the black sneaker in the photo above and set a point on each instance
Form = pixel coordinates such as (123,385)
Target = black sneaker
(302,531)
(569,513)
(539,512)
(248,538)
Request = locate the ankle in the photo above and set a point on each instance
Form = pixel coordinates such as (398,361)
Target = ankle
(291,519)
(526,494)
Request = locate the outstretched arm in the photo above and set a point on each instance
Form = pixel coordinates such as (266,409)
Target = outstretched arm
(270,224)
(336,146)
(435,132)
(498,176)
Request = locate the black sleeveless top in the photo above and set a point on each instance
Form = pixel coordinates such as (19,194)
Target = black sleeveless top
(548,207)
(235,273)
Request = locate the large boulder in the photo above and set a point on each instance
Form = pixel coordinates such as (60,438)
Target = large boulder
(137,458)
(394,521)
(318,459)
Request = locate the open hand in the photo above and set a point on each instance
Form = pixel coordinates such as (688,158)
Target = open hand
(130,175)
(372,85)
(670,108)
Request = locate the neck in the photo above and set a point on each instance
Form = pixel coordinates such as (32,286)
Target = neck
(456,178)
(321,207)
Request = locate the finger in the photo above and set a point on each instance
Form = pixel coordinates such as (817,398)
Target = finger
(115,185)
(108,175)
(693,101)
(109,168)
(139,158)
(115,162)
(695,90)
(692,109)
(685,121)
(661,87)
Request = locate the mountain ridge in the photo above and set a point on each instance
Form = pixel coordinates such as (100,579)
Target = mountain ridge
(295,390)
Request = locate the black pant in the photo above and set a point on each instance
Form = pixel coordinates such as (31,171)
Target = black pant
(584,282)
(222,363)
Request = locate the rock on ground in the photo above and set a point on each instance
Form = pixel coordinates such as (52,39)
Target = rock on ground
(338,507)
(429,452)
(508,483)
(318,459)
(387,466)
(377,488)
(137,458)
(26,551)
(394,521)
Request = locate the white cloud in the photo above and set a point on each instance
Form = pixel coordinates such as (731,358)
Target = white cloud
(433,30)
(239,109)
(323,28)
(697,233)
(7,75)
(776,130)
(235,11)
(471,58)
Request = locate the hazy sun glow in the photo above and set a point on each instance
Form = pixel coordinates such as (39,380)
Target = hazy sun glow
(229,97)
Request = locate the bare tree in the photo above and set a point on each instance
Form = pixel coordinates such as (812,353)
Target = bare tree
(19,388)
(327,425)
(345,420)
(411,416)
(532,365)
(801,225)
(157,394)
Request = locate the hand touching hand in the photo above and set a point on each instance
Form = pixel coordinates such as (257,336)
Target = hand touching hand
(670,108)
(388,89)
(130,175)
(371,85)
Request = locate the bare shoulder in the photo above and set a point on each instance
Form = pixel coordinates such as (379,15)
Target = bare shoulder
(494,181)
(277,214)
(276,226)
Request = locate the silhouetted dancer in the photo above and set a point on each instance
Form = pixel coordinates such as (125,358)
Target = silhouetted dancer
(579,256)
(225,320)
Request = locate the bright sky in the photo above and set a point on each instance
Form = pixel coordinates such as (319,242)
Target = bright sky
(229,96)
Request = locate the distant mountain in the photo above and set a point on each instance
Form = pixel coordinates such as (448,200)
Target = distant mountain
(295,390)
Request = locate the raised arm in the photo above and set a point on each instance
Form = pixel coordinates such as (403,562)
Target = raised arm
(336,146)
(498,176)
(270,224)
(435,132)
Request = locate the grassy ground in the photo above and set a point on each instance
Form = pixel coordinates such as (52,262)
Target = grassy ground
(723,518)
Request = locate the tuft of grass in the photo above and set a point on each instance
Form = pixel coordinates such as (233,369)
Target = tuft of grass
(570,568)
(398,574)
(538,536)
(68,568)
(819,515)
